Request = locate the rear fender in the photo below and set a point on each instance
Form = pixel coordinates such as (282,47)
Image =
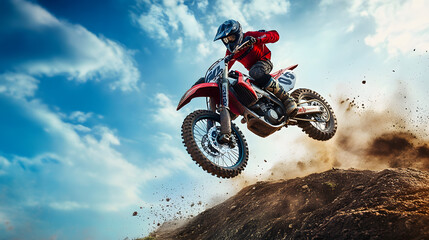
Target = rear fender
(210,90)
(280,72)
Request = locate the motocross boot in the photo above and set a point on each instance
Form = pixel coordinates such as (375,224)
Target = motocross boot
(289,103)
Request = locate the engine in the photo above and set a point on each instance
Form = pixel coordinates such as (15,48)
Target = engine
(270,110)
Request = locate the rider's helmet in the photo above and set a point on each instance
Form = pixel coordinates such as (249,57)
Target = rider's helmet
(231,34)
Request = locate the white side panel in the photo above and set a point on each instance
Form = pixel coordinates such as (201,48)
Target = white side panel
(287,80)
(215,71)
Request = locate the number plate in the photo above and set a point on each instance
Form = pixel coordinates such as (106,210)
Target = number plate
(215,71)
(287,80)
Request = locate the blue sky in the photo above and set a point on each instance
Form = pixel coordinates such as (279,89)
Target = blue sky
(88,91)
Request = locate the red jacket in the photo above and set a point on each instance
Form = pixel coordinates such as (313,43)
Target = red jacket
(259,51)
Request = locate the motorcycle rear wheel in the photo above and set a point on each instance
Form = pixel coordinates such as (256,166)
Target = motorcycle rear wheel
(200,131)
(323,125)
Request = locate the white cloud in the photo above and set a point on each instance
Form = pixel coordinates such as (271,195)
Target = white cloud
(80,117)
(350,29)
(154,22)
(18,85)
(204,49)
(264,10)
(107,136)
(401,26)
(83,56)
(326,3)
(38,16)
(87,164)
(171,18)
(176,157)
(67,205)
(40,159)
(191,27)
(179,44)
(228,9)
(166,113)
(249,11)
(81,128)
(202,5)
(171,155)
(4,164)
(84,172)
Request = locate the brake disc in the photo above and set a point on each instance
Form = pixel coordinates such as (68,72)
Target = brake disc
(209,142)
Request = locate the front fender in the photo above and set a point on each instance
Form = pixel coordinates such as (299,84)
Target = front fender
(210,90)
(199,90)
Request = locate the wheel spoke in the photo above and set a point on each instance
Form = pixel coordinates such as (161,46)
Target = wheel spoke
(216,160)
(204,132)
(200,128)
(230,159)
(223,160)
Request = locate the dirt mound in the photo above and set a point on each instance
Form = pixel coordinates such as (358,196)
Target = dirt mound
(336,204)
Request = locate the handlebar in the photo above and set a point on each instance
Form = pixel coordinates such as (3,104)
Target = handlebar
(245,44)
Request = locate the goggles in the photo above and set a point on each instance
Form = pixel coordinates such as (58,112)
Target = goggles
(228,39)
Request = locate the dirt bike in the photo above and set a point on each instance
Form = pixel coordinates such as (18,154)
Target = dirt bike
(215,142)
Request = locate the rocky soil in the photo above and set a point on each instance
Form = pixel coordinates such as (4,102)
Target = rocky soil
(336,204)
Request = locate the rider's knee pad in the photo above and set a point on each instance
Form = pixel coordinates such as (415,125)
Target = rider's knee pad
(263,80)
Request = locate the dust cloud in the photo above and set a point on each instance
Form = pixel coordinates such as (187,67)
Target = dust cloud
(394,135)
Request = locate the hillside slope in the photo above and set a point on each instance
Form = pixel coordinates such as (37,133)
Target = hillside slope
(336,204)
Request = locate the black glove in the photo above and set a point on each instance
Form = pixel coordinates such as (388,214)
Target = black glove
(233,74)
(251,39)
(229,57)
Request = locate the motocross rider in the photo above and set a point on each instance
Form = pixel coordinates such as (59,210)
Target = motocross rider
(256,58)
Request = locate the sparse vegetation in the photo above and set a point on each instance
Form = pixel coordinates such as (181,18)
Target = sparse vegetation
(330,184)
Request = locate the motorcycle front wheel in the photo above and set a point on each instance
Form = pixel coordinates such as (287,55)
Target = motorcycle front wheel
(200,133)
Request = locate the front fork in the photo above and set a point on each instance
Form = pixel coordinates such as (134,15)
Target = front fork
(225,117)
